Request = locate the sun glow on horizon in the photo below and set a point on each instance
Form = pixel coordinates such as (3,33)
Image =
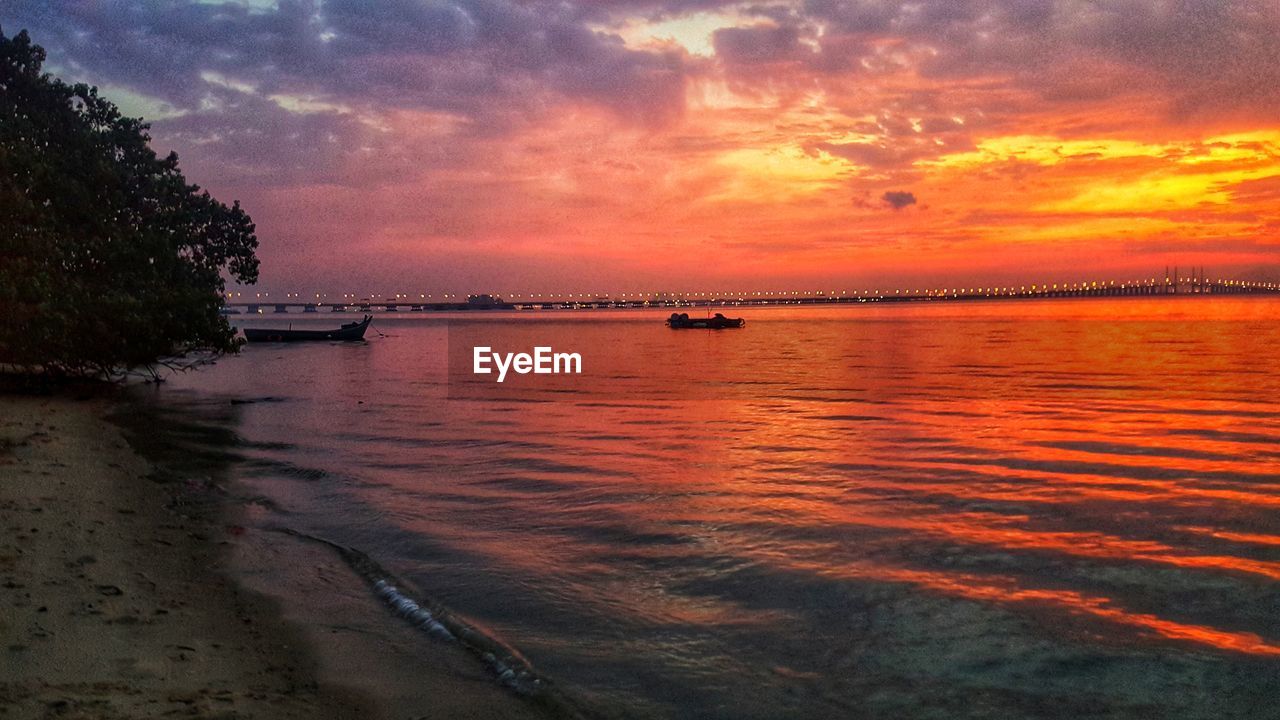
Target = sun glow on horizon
(801,141)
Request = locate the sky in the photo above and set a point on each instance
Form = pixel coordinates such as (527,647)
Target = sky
(608,146)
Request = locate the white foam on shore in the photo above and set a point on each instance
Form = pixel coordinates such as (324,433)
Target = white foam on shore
(413,612)
(507,669)
(510,670)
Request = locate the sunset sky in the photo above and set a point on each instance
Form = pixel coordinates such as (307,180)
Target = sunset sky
(633,145)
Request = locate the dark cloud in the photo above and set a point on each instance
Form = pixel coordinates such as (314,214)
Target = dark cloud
(1205,56)
(306,93)
(242,139)
(876,155)
(468,56)
(759,44)
(898,199)
(901,142)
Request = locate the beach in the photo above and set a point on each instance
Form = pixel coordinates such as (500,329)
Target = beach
(122,595)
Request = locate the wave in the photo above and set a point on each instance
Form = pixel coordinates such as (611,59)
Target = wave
(509,668)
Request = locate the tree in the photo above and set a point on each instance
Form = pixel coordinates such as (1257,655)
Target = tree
(109,260)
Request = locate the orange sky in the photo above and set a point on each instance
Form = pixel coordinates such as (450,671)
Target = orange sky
(521,147)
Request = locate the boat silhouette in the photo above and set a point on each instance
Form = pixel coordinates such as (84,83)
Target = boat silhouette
(349,332)
(682,321)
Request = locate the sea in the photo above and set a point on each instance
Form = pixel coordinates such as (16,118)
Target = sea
(1012,509)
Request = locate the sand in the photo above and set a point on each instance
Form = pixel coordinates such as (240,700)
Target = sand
(119,597)
(112,605)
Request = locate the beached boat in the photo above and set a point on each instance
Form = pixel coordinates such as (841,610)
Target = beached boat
(681,321)
(349,332)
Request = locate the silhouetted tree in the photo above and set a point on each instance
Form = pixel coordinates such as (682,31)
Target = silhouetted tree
(109,260)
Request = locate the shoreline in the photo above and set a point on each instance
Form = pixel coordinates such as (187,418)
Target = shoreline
(117,603)
(133,589)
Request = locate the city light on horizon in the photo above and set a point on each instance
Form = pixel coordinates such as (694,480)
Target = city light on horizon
(1194,283)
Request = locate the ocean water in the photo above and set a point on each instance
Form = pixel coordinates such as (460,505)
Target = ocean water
(1055,509)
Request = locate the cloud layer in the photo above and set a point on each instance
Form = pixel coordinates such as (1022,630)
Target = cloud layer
(463,144)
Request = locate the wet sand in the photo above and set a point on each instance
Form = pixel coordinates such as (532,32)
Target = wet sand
(121,596)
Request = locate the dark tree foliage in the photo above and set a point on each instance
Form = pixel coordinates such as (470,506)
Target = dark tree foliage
(109,260)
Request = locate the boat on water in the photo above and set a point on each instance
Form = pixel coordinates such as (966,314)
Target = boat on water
(349,332)
(682,321)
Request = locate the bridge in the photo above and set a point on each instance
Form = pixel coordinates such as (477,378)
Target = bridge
(1168,286)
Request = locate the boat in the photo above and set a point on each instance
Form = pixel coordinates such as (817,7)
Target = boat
(682,321)
(349,333)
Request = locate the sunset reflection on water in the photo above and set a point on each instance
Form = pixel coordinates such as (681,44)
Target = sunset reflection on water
(1040,508)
